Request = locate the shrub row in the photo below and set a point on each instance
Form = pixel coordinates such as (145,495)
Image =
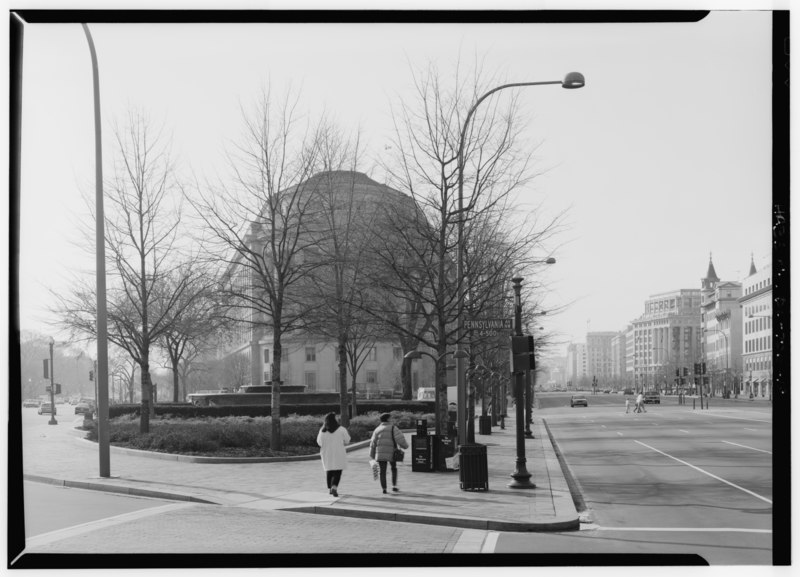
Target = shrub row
(237,436)
(189,411)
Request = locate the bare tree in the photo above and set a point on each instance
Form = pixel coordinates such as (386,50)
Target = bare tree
(142,220)
(258,227)
(497,165)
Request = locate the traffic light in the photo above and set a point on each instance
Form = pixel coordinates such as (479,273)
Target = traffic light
(702,368)
(697,368)
(46,368)
(685,372)
(91,375)
(522,358)
(58,388)
(677,372)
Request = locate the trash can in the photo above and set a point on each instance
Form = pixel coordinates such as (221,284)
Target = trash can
(473,467)
(485,425)
(422,427)
(442,447)
(420,454)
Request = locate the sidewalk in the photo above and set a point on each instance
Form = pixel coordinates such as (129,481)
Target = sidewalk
(59,455)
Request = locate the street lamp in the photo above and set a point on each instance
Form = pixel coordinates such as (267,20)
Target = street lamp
(521,476)
(52,420)
(727,365)
(416,354)
(101,377)
(571,81)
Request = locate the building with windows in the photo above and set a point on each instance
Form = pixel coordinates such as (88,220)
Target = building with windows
(666,339)
(622,358)
(598,357)
(756,329)
(308,359)
(721,323)
(577,366)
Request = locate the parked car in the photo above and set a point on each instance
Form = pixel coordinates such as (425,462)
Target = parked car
(30,403)
(46,407)
(83,409)
(628,392)
(576,400)
(652,397)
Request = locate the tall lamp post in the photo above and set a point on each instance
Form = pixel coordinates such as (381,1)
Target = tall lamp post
(727,365)
(101,376)
(52,420)
(521,477)
(571,81)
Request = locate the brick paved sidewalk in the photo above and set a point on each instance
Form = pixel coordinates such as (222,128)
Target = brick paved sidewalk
(58,454)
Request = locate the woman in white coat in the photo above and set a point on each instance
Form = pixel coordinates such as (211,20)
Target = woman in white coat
(332,438)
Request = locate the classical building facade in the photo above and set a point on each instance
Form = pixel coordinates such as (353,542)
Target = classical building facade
(577,366)
(666,338)
(756,308)
(313,360)
(721,322)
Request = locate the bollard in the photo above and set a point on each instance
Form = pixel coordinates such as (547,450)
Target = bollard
(694,403)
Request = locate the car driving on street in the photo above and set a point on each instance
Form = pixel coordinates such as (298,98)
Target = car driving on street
(576,400)
(653,397)
(46,408)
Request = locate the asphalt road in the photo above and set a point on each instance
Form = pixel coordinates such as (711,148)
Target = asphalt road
(672,480)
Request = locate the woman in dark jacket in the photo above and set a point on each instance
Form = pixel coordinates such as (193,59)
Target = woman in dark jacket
(381,448)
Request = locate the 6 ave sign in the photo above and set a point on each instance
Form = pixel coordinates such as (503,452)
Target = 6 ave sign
(483,328)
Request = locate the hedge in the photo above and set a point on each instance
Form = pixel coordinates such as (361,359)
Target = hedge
(187,410)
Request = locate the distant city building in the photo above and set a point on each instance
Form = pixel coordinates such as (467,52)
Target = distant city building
(598,357)
(756,307)
(666,338)
(621,342)
(577,365)
(721,322)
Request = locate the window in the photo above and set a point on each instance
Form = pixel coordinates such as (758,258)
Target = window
(398,354)
(311,355)
(266,356)
(311,381)
(372,355)
(372,377)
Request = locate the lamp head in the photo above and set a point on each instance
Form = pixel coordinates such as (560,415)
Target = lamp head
(550,260)
(411,355)
(573,80)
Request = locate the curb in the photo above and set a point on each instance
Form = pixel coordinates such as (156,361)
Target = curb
(576,492)
(131,491)
(460,522)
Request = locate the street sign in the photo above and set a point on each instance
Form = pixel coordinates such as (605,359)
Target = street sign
(488,327)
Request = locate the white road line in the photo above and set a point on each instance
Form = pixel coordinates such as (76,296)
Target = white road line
(491,542)
(683,431)
(603,426)
(746,447)
(687,529)
(75,530)
(754,430)
(618,433)
(705,414)
(470,541)
(707,473)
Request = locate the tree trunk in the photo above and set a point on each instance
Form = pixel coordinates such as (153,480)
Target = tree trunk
(176,391)
(144,423)
(275,433)
(441,395)
(405,378)
(343,405)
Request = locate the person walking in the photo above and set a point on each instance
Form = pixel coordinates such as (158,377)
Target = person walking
(627,405)
(332,439)
(385,438)
(640,404)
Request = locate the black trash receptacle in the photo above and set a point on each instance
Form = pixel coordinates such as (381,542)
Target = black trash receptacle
(485,425)
(473,467)
(442,447)
(420,454)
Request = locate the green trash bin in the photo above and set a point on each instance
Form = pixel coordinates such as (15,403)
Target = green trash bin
(473,467)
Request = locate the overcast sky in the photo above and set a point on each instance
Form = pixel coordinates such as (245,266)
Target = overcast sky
(663,157)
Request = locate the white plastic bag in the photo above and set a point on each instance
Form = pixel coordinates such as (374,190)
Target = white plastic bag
(376,469)
(451,463)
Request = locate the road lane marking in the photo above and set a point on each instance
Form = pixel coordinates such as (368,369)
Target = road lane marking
(471,541)
(75,530)
(729,417)
(683,431)
(746,447)
(603,426)
(491,542)
(686,529)
(754,430)
(707,473)
(618,433)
